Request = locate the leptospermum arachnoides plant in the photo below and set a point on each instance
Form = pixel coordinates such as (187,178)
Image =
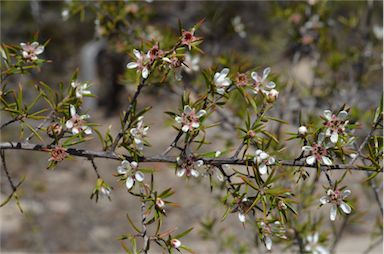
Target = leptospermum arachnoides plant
(252,174)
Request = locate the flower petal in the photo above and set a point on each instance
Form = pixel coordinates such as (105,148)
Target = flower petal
(328,114)
(129,182)
(310,160)
(185,128)
(195,173)
(334,137)
(327,161)
(262,169)
(241,217)
(342,115)
(201,113)
(72,110)
(145,73)
(345,207)
(345,193)
(324,200)
(69,124)
(180,172)
(268,242)
(333,212)
(266,72)
(139,176)
(132,65)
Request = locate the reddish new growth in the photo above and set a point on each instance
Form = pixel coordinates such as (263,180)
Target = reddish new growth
(58,154)
(241,80)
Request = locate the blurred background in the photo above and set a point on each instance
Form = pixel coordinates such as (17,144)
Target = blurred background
(322,54)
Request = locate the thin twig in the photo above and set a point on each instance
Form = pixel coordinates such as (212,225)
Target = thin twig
(171,159)
(13,186)
(91,159)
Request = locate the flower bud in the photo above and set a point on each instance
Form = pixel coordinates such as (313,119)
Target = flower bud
(54,130)
(302,130)
(272,95)
(175,243)
(160,203)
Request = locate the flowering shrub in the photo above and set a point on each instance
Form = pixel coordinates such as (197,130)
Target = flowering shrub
(267,187)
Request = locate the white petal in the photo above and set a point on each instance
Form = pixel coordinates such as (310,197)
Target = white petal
(121,170)
(145,73)
(333,212)
(255,77)
(139,176)
(132,65)
(137,53)
(166,59)
(320,138)
(126,164)
(133,131)
(199,163)
(270,85)
(218,153)
(334,137)
(306,148)
(310,160)
(195,173)
(324,200)
(138,141)
(75,131)
(263,155)
(134,164)
(201,113)
(342,115)
(262,169)
(195,124)
(129,183)
(224,72)
(187,109)
(345,193)
(345,207)
(328,114)
(72,110)
(316,237)
(87,130)
(266,72)
(185,128)
(258,152)
(322,250)
(69,124)
(327,161)
(268,242)
(271,161)
(180,172)
(220,90)
(241,217)
(39,50)
(178,119)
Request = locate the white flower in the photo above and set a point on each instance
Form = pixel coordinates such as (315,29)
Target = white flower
(77,124)
(191,63)
(189,119)
(312,245)
(176,65)
(221,81)
(131,172)
(30,51)
(188,167)
(141,63)
(242,207)
(105,192)
(269,229)
(318,152)
(335,125)
(263,160)
(262,84)
(80,89)
(139,133)
(302,130)
(238,26)
(175,243)
(336,199)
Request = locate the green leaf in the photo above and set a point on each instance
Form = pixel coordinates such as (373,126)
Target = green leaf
(181,235)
